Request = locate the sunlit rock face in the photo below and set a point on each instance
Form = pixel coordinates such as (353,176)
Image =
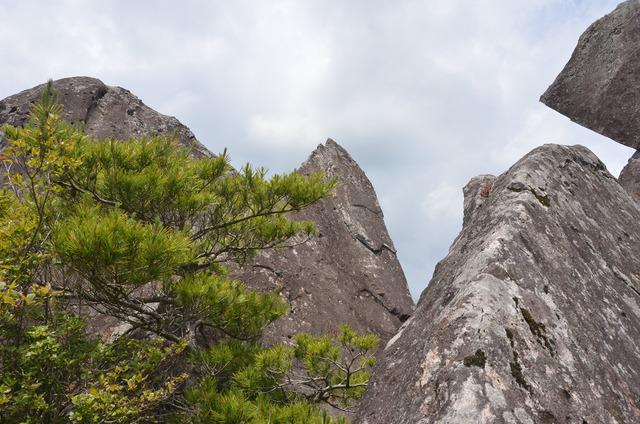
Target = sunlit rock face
(600,86)
(348,274)
(534,315)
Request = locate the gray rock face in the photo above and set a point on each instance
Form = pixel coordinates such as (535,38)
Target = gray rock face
(105,111)
(349,273)
(534,316)
(630,176)
(600,86)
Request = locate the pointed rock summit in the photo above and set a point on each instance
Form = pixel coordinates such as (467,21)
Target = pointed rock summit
(599,87)
(349,273)
(534,315)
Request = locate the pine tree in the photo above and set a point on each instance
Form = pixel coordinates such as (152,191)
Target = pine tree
(141,231)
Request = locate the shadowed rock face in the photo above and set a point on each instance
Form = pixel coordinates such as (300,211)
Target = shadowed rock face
(600,86)
(534,316)
(349,273)
(105,111)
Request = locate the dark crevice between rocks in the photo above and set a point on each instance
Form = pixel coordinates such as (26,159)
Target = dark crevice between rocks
(478,359)
(100,93)
(393,311)
(547,417)
(267,268)
(516,368)
(539,330)
(542,197)
(366,243)
(436,390)
(373,211)
(620,276)
(596,167)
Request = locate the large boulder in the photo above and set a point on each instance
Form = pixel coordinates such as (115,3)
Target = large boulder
(534,315)
(349,273)
(104,111)
(599,87)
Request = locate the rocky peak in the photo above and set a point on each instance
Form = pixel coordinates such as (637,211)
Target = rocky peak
(104,111)
(349,273)
(534,315)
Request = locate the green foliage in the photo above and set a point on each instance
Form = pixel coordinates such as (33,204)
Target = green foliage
(131,391)
(112,248)
(52,372)
(227,307)
(337,373)
(283,383)
(141,231)
(17,228)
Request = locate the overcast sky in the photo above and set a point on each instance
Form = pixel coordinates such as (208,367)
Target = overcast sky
(423,94)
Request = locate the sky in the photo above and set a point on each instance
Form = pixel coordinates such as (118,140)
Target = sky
(423,94)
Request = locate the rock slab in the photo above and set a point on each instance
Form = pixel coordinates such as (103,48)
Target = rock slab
(534,315)
(599,88)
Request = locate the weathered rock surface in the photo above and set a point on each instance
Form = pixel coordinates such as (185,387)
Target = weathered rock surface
(105,111)
(599,87)
(630,176)
(534,315)
(349,273)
